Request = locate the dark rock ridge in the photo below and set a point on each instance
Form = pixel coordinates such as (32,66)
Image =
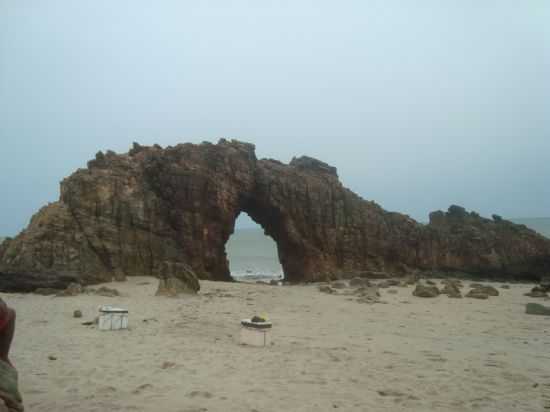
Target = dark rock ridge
(169,213)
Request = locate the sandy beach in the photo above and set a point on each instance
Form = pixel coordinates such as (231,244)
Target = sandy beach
(329,352)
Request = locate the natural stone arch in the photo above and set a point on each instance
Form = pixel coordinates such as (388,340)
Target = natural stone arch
(169,212)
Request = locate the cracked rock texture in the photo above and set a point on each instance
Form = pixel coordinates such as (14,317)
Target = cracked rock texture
(168,212)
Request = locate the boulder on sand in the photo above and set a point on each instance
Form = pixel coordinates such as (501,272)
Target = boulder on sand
(536,309)
(339,284)
(359,282)
(479,291)
(451,290)
(326,289)
(74,289)
(477,294)
(538,292)
(425,291)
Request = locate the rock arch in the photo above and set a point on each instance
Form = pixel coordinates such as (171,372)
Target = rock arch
(170,211)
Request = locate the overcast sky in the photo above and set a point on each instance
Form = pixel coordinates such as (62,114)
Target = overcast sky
(419,104)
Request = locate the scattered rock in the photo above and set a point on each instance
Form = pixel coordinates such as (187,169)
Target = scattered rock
(489,290)
(46,291)
(477,294)
(102,291)
(423,291)
(326,289)
(536,309)
(430,282)
(339,284)
(74,289)
(77,314)
(359,282)
(51,357)
(389,283)
(168,365)
(537,292)
(368,294)
(173,287)
(505,287)
(451,290)
(455,282)
(369,274)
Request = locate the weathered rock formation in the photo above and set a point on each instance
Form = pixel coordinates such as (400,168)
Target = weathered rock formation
(155,211)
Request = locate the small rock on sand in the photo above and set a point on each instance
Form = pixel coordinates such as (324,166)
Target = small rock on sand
(477,294)
(424,291)
(339,284)
(74,289)
(359,282)
(77,314)
(536,309)
(326,289)
(537,292)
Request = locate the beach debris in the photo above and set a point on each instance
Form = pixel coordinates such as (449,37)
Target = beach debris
(77,314)
(326,289)
(111,318)
(426,291)
(256,331)
(536,309)
(74,289)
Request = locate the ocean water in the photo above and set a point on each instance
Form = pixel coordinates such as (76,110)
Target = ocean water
(253,256)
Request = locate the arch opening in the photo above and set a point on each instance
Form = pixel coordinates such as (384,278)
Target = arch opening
(252,254)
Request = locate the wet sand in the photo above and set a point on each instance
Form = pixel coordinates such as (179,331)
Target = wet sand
(328,353)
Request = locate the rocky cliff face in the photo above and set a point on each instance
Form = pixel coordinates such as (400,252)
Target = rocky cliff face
(169,212)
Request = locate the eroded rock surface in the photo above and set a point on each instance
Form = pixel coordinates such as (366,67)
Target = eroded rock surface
(169,212)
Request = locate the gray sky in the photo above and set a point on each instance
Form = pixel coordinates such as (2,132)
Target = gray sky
(419,104)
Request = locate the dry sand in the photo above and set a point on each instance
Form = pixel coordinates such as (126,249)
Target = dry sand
(329,352)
